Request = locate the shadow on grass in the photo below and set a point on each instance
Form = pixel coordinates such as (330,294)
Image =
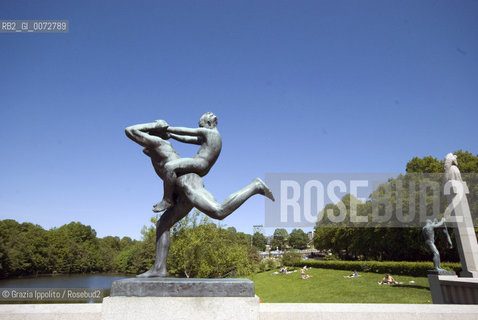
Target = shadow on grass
(414,286)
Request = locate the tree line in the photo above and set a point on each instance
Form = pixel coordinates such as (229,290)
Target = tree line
(382,242)
(281,240)
(26,248)
(199,248)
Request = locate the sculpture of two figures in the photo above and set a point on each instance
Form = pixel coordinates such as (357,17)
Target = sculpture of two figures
(183,185)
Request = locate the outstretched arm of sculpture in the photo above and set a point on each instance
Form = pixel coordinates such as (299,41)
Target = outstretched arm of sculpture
(186,139)
(186,131)
(448,237)
(139,133)
(437,224)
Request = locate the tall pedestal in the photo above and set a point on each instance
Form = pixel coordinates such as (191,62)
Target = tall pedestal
(446,289)
(169,298)
(453,290)
(464,231)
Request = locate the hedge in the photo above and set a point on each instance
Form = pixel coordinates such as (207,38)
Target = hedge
(416,269)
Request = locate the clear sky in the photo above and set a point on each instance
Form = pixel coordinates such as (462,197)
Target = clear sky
(298,86)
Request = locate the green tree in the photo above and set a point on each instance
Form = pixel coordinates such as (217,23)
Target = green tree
(23,249)
(108,249)
(259,241)
(467,162)
(291,258)
(427,164)
(279,239)
(298,239)
(75,247)
(137,256)
(201,249)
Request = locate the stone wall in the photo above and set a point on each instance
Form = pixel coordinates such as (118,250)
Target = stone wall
(267,311)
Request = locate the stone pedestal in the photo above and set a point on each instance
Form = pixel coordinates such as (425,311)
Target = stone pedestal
(180,287)
(450,289)
(170,298)
(464,230)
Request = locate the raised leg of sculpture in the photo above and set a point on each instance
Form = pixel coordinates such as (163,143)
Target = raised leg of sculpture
(163,226)
(205,202)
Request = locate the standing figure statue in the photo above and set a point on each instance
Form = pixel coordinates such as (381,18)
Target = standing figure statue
(451,168)
(458,210)
(428,232)
(183,185)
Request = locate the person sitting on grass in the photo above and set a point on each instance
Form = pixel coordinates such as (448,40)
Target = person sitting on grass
(353,275)
(388,279)
(303,275)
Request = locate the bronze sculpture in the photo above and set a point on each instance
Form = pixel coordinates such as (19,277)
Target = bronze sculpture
(183,180)
(429,234)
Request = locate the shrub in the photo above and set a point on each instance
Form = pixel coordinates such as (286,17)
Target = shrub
(265,265)
(416,269)
(270,264)
(331,257)
(291,258)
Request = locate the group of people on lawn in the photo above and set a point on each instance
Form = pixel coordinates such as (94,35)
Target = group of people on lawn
(302,272)
(387,279)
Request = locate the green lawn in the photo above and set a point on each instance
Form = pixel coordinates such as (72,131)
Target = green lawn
(329,286)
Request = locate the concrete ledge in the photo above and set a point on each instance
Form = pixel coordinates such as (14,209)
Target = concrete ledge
(87,311)
(346,311)
(266,311)
(165,308)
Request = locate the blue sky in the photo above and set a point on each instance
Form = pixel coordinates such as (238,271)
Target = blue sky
(298,86)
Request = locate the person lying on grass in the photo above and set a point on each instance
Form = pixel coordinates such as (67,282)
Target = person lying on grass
(284,271)
(353,275)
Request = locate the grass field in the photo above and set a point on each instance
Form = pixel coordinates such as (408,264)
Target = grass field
(329,286)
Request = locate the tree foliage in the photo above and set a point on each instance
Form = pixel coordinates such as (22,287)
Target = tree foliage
(298,239)
(279,239)
(26,248)
(379,241)
(259,241)
(199,248)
